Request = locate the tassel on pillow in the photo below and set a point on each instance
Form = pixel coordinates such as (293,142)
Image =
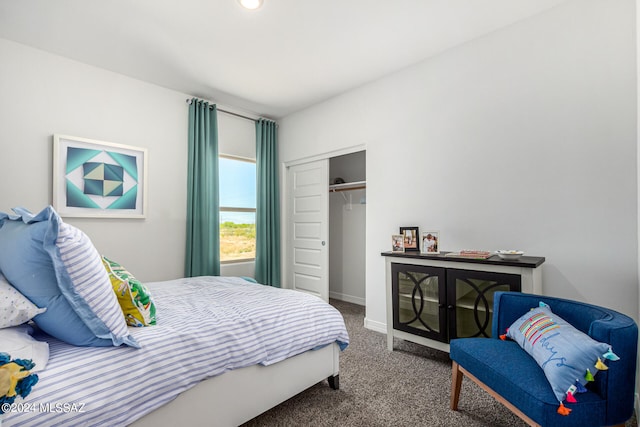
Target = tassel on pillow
(579,387)
(563,410)
(588,376)
(570,394)
(601,366)
(610,355)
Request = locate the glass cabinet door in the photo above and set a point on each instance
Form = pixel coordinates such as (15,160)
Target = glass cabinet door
(419,298)
(470,300)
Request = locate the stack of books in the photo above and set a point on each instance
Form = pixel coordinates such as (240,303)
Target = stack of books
(470,254)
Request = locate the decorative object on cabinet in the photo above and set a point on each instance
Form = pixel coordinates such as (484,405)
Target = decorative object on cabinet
(431,242)
(397,243)
(411,243)
(470,253)
(433,298)
(98,179)
(510,254)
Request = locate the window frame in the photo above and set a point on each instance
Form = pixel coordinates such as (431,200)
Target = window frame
(236,209)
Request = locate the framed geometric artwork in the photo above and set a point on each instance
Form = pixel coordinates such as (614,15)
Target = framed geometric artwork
(98,179)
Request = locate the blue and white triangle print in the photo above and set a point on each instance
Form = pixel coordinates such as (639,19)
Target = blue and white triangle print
(101,179)
(98,179)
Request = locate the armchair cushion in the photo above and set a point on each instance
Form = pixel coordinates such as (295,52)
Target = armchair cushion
(567,356)
(511,373)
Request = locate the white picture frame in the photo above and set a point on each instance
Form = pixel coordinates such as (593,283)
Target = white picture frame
(430,242)
(397,243)
(98,179)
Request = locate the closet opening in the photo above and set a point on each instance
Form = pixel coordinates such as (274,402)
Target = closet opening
(347,219)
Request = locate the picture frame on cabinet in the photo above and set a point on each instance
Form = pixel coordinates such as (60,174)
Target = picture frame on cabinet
(411,235)
(431,242)
(397,243)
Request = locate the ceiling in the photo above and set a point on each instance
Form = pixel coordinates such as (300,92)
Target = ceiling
(273,61)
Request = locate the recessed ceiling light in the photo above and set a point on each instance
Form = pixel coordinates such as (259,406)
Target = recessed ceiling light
(250,4)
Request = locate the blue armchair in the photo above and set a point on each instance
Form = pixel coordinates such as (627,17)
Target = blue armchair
(514,378)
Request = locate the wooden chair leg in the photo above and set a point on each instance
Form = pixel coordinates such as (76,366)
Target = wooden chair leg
(456,384)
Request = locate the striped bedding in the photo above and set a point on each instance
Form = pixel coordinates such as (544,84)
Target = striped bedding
(206,326)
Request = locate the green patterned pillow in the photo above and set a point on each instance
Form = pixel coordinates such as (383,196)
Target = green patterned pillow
(134,298)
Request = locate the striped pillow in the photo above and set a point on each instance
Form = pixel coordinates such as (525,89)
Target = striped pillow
(85,284)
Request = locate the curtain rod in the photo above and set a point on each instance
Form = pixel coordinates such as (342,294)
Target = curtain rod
(189,101)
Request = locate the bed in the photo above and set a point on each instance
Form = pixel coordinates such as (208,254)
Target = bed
(223,351)
(109,350)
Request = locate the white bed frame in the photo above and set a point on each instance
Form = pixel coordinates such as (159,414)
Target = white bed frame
(239,395)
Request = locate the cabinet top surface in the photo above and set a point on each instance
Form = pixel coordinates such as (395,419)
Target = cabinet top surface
(524,261)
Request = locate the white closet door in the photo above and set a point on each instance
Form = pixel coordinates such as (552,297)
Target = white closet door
(308,205)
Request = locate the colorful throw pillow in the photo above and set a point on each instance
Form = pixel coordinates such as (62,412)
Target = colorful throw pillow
(568,357)
(56,266)
(15,309)
(134,297)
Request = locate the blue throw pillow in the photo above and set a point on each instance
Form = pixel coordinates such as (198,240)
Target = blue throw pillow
(56,266)
(568,357)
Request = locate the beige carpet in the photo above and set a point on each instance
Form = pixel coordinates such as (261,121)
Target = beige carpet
(407,387)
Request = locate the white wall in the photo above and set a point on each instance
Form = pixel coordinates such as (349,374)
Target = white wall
(524,138)
(42,94)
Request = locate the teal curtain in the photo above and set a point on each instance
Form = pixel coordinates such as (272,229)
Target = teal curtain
(268,204)
(203,205)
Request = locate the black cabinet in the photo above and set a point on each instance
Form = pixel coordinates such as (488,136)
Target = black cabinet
(419,299)
(432,299)
(470,300)
(446,303)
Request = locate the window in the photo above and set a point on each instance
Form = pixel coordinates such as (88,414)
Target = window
(237,209)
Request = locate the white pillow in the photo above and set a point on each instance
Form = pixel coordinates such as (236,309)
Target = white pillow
(19,344)
(15,308)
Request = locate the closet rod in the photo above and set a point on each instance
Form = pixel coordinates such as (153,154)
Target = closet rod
(189,101)
(333,190)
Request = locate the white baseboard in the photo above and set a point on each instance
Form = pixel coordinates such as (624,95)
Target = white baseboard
(375,326)
(347,298)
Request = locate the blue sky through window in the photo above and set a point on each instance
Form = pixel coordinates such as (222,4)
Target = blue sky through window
(237,190)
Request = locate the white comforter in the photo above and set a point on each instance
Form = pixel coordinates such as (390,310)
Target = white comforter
(206,326)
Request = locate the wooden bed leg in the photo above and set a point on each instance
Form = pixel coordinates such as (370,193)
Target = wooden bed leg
(456,384)
(334,382)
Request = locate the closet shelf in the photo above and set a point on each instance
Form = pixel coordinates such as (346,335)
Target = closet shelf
(356,185)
